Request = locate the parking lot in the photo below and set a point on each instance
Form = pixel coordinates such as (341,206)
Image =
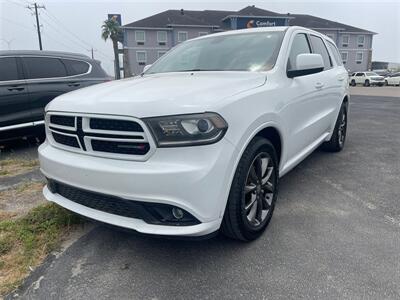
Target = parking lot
(335,234)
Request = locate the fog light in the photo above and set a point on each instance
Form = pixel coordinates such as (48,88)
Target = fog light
(177,213)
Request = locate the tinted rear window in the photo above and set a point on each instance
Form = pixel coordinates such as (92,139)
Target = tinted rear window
(75,67)
(319,48)
(44,67)
(8,69)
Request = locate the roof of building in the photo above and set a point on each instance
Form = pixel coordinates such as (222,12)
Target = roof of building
(215,18)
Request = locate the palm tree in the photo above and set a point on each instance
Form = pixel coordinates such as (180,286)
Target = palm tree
(111,30)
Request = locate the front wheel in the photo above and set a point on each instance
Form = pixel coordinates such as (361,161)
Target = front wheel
(253,192)
(336,143)
(353,82)
(367,83)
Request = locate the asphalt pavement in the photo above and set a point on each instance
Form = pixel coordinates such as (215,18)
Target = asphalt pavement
(335,234)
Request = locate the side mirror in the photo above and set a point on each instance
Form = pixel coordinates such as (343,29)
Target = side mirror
(146,67)
(306,64)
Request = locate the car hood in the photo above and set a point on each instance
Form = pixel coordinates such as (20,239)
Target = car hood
(158,94)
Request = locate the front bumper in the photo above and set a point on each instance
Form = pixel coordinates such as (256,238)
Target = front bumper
(196,179)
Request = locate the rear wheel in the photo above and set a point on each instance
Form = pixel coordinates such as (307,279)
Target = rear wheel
(253,192)
(336,143)
(386,83)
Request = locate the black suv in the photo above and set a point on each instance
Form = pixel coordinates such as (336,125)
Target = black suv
(31,79)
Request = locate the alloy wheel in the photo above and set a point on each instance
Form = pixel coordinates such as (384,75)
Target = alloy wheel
(259,190)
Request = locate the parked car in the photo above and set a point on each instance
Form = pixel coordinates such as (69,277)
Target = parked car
(393,79)
(198,142)
(366,79)
(29,80)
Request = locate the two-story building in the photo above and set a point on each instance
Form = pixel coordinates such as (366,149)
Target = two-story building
(148,39)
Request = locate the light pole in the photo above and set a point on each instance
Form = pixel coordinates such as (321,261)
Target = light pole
(8,42)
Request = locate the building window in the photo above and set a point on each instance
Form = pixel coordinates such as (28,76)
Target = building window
(201,33)
(345,40)
(360,40)
(162,37)
(161,53)
(140,37)
(359,57)
(344,55)
(141,57)
(182,36)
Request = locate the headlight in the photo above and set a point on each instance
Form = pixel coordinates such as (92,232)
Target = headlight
(187,130)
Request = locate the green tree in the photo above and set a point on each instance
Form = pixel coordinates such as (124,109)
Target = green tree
(111,29)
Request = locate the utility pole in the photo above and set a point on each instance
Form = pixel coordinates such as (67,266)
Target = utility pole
(36,7)
(92,51)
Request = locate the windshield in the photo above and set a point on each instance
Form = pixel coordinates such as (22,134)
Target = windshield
(237,52)
(371,74)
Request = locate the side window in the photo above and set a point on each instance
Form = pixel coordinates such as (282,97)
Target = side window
(300,45)
(44,67)
(75,67)
(335,53)
(360,74)
(319,48)
(8,67)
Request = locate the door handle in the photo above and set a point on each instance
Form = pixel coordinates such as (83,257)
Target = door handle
(74,84)
(16,88)
(319,85)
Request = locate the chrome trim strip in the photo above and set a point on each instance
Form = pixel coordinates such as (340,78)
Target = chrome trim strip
(21,125)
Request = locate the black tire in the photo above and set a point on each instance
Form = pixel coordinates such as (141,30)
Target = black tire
(386,83)
(236,223)
(367,83)
(353,82)
(336,143)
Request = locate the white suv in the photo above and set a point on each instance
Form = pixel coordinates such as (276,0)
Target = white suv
(366,79)
(198,142)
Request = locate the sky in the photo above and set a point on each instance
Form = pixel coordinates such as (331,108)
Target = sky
(75,26)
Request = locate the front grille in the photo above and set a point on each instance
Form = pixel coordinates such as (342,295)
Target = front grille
(117,125)
(65,140)
(105,136)
(152,213)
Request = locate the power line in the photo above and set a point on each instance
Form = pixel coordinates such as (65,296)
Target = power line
(16,3)
(60,24)
(16,23)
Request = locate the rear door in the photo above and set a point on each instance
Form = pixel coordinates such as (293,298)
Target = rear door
(334,79)
(47,79)
(14,99)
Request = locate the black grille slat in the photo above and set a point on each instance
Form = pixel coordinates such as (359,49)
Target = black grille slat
(115,125)
(65,140)
(109,204)
(68,121)
(120,147)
